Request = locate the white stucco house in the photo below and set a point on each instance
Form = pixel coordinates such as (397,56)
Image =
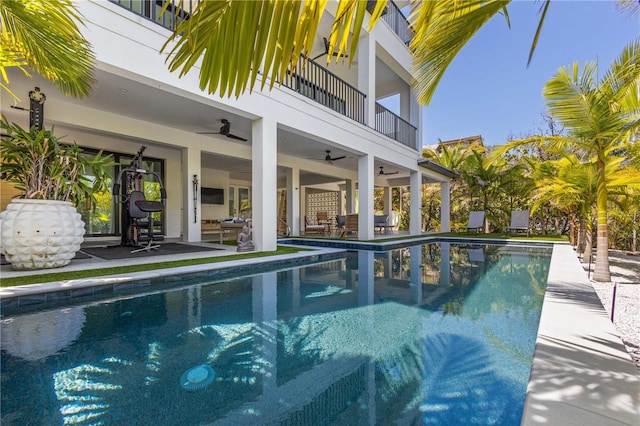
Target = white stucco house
(280,169)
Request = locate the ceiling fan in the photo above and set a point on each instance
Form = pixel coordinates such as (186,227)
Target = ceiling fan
(225,130)
(326,51)
(383,173)
(329,159)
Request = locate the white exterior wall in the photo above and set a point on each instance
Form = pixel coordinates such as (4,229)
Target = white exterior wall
(128,46)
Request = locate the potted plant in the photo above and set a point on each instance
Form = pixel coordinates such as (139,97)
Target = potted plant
(41,228)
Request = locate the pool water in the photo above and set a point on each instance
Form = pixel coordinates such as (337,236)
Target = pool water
(427,334)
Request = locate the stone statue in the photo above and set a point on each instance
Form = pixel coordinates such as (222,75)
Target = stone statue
(244,240)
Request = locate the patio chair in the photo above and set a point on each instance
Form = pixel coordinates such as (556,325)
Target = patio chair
(519,221)
(350,225)
(380,222)
(310,228)
(476,221)
(322,218)
(340,222)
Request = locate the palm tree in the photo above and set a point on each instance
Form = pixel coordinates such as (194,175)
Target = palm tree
(569,185)
(42,36)
(601,118)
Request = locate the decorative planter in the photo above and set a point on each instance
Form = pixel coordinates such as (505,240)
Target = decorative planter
(40,234)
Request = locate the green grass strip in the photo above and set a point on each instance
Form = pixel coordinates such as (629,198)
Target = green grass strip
(90,273)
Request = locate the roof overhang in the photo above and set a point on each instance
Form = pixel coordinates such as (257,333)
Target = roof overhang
(437,168)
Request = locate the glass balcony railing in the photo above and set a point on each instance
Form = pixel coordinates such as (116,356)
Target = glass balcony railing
(395,127)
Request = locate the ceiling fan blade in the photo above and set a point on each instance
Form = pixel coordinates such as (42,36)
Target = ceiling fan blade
(229,135)
(208,133)
(339,158)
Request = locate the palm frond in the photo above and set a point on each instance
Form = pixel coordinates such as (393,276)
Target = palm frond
(442,28)
(43,35)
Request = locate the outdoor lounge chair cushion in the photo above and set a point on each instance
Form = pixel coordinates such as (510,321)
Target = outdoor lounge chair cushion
(476,221)
(519,221)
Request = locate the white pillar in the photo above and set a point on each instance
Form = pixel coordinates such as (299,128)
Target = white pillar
(303,209)
(293,200)
(415,211)
(365,197)
(264,208)
(191,218)
(350,188)
(387,200)
(445,206)
(367,76)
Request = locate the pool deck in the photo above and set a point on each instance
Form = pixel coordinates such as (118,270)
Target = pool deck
(581,375)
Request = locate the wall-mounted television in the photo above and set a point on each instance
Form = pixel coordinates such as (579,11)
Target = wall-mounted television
(212,195)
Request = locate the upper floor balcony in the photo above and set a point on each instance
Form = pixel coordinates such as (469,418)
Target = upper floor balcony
(309,78)
(396,20)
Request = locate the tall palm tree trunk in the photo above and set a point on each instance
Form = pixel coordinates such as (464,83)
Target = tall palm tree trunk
(602,272)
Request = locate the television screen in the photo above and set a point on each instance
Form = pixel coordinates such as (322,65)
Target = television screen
(212,196)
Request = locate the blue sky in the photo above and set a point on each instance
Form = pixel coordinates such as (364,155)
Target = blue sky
(488,89)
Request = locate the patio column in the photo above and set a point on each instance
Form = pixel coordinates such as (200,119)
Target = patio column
(191,211)
(415,210)
(445,206)
(293,200)
(365,197)
(350,189)
(367,77)
(387,200)
(264,208)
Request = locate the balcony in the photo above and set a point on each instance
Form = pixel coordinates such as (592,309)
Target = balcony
(317,83)
(395,127)
(151,9)
(396,20)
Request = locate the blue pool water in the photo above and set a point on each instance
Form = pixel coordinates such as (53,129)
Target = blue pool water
(428,334)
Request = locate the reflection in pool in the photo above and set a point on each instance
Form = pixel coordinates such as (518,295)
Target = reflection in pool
(374,338)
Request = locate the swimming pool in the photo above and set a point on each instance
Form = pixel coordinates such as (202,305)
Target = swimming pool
(372,338)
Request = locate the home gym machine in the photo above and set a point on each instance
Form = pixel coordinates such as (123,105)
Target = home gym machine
(136,211)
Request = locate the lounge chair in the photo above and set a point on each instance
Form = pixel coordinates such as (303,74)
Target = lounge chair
(476,221)
(310,228)
(519,221)
(380,222)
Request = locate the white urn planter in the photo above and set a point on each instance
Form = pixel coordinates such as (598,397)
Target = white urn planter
(40,234)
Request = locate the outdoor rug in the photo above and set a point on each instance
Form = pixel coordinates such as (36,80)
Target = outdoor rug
(78,255)
(120,252)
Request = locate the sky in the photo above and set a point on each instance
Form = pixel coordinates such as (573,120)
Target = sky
(488,89)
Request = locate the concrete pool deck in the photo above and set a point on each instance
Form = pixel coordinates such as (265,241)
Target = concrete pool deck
(581,374)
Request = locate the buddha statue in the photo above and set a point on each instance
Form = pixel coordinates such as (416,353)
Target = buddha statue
(244,240)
